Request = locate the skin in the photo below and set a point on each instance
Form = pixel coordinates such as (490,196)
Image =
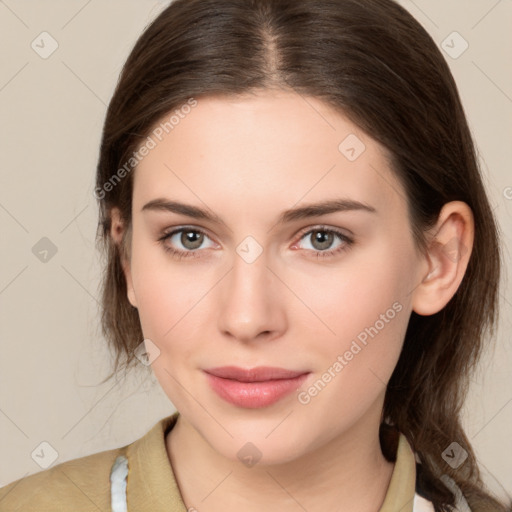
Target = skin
(248,159)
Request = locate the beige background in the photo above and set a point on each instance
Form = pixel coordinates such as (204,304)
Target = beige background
(52,112)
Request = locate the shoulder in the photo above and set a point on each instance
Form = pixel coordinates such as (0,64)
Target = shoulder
(83,484)
(78,484)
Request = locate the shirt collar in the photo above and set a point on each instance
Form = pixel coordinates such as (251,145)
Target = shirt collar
(402,486)
(151,483)
(151,479)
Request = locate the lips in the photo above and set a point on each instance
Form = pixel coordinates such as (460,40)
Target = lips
(256,387)
(258,374)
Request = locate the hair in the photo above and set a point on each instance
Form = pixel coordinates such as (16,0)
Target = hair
(374,63)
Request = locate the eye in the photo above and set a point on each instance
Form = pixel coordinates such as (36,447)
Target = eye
(322,239)
(190,239)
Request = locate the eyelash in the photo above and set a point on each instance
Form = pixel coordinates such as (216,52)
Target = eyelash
(179,254)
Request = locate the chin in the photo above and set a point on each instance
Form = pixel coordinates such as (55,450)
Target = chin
(256,447)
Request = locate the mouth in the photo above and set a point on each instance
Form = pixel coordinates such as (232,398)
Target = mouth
(257,374)
(254,388)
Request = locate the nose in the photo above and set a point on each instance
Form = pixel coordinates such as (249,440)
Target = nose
(252,301)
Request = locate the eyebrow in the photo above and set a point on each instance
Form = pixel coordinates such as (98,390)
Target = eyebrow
(293,214)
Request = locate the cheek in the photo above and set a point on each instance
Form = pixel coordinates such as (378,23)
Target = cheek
(364,292)
(168,310)
(364,309)
(354,366)
(162,287)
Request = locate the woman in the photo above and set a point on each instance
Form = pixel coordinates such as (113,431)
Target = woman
(295,224)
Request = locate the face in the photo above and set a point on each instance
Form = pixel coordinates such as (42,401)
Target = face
(325,293)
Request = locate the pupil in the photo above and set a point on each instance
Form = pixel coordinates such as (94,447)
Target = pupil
(191,239)
(323,238)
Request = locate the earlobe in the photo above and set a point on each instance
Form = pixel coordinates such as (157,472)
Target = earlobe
(118,232)
(448,253)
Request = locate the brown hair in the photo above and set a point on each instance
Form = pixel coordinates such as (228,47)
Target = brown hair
(372,61)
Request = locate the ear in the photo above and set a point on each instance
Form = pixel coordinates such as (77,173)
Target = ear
(449,248)
(118,233)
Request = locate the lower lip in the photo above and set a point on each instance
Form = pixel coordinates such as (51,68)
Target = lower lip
(253,395)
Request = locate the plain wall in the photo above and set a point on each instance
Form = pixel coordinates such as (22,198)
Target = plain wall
(52,111)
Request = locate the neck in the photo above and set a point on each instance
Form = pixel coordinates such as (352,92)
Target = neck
(348,473)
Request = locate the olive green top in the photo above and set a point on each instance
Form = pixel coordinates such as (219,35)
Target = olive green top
(83,484)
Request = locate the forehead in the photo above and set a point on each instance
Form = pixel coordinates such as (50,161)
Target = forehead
(244,150)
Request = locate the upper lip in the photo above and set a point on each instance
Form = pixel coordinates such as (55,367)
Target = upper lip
(257,374)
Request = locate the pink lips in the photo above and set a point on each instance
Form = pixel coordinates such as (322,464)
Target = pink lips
(256,387)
